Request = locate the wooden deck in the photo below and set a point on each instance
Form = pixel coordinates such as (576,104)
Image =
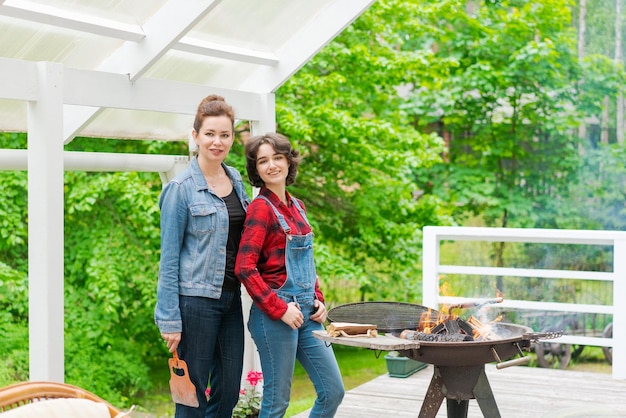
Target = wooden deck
(519,392)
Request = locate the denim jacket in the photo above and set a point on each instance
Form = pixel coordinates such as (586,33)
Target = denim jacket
(194,231)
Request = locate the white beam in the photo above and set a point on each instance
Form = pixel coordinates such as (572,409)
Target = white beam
(525,272)
(299,49)
(37,12)
(536,305)
(196,46)
(555,236)
(115,91)
(45,227)
(17,159)
(163,30)
(18,79)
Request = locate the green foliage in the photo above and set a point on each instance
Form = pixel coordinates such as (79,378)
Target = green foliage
(126,146)
(112,253)
(601,77)
(13,223)
(504,101)
(13,294)
(360,150)
(117,372)
(111,261)
(112,249)
(14,349)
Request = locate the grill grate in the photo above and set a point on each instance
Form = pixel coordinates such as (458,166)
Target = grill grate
(387,316)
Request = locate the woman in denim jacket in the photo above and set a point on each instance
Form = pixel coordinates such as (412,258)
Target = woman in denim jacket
(198,309)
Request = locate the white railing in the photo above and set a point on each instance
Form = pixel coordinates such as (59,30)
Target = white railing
(432,269)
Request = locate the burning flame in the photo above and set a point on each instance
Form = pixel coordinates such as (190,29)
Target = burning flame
(481,331)
(430,319)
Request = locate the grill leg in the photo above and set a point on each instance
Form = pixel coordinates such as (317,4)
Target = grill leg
(484,397)
(434,396)
(458,384)
(457,409)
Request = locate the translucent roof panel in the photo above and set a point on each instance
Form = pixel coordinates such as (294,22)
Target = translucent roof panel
(235,47)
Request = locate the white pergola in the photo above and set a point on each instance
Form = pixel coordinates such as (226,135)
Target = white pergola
(132,69)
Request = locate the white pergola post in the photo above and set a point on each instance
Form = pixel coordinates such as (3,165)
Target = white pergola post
(45,226)
(267,120)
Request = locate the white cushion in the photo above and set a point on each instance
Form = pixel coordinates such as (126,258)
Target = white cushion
(59,408)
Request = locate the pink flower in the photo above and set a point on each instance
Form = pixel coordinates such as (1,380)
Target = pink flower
(254,377)
(207,392)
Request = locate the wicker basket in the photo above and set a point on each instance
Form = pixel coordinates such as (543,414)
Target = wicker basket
(19,394)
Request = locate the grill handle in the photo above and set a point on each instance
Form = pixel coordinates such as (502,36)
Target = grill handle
(536,336)
(515,362)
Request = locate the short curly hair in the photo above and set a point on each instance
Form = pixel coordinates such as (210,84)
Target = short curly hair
(281,145)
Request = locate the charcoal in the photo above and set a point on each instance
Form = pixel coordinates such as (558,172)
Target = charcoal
(440,327)
(424,336)
(452,326)
(466,327)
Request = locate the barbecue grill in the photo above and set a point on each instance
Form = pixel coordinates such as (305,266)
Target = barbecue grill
(459,363)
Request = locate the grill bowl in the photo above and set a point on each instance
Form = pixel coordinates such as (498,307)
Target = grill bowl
(472,353)
(394,317)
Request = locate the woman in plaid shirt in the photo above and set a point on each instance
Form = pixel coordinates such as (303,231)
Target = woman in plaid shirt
(275,263)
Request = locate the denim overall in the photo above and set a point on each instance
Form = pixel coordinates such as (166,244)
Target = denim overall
(279,346)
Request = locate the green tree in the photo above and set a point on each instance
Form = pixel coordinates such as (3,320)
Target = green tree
(505,103)
(344,111)
(508,107)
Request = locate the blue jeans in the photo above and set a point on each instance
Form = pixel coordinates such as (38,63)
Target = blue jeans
(279,346)
(212,346)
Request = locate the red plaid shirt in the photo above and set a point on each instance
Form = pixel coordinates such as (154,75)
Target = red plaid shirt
(260,262)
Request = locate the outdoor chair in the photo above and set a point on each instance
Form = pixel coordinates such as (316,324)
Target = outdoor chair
(52,399)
